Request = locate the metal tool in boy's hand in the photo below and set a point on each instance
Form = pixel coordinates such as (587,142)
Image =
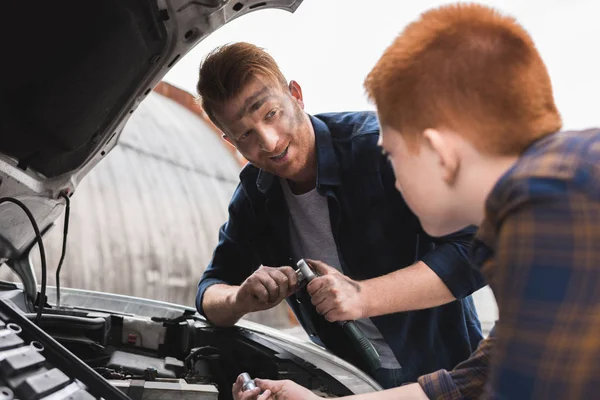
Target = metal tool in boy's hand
(248,382)
(357,337)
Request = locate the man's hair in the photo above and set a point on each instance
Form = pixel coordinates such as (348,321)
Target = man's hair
(227,69)
(470,69)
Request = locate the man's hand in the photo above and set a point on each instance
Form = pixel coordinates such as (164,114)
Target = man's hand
(265,288)
(283,390)
(253,394)
(335,296)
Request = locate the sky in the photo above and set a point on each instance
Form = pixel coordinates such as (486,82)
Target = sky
(329,46)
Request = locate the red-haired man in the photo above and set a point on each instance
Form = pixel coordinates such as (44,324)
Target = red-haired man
(317,187)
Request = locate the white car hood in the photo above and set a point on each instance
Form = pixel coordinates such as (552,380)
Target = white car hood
(73,74)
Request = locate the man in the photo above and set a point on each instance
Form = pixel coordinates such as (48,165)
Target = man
(466,104)
(318,187)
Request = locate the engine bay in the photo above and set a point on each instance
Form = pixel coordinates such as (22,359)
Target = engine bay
(182,357)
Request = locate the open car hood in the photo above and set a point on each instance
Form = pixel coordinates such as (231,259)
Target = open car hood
(73,74)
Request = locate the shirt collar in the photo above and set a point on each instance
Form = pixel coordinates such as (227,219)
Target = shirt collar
(328,169)
(496,203)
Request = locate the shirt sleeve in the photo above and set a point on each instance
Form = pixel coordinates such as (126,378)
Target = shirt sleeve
(466,381)
(233,259)
(450,261)
(545,276)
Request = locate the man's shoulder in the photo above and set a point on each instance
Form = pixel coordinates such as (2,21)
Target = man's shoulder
(348,125)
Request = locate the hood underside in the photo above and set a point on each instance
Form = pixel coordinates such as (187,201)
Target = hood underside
(72,70)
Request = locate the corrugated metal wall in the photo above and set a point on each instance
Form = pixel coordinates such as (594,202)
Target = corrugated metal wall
(145,221)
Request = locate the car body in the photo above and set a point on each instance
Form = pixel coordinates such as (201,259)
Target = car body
(64,108)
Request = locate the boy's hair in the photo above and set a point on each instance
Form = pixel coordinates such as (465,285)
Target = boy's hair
(227,69)
(470,69)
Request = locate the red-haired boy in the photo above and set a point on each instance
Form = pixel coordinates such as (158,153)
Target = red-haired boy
(465,104)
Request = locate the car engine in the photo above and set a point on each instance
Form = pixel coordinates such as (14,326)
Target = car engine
(147,357)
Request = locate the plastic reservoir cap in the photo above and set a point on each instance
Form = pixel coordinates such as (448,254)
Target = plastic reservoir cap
(305,270)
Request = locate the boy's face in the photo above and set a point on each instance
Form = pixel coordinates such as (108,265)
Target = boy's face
(425,175)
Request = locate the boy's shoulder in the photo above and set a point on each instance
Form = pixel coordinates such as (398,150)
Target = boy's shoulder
(556,166)
(571,156)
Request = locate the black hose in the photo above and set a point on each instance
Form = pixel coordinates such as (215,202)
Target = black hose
(64,246)
(38,235)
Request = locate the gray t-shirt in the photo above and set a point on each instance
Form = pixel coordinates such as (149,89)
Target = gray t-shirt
(311,237)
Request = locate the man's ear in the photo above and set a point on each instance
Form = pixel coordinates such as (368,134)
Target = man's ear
(296,92)
(449,161)
(227,139)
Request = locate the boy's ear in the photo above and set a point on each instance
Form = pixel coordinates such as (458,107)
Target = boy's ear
(441,144)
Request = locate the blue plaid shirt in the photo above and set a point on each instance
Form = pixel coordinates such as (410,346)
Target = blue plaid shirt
(539,248)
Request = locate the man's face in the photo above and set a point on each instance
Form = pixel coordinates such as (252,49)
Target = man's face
(267,124)
(422,178)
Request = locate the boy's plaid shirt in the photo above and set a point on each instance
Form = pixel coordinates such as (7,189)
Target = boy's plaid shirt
(539,248)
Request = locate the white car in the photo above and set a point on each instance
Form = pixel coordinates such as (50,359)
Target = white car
(74,72)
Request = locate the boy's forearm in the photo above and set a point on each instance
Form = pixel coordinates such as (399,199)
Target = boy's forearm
(412,391)
(219,305)
(412,288)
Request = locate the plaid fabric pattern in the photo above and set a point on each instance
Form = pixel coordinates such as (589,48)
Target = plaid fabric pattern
(539,249)
(465,381)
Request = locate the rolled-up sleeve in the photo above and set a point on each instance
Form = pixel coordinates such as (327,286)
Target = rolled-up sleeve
(466,381)
(450,261)
(233,259)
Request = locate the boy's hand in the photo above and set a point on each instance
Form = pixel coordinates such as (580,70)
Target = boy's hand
(253,394)
(335,296)
(284,390)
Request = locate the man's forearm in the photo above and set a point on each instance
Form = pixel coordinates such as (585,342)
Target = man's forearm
(412,288)
(219,305)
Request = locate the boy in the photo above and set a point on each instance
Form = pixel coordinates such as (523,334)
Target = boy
(465,103)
